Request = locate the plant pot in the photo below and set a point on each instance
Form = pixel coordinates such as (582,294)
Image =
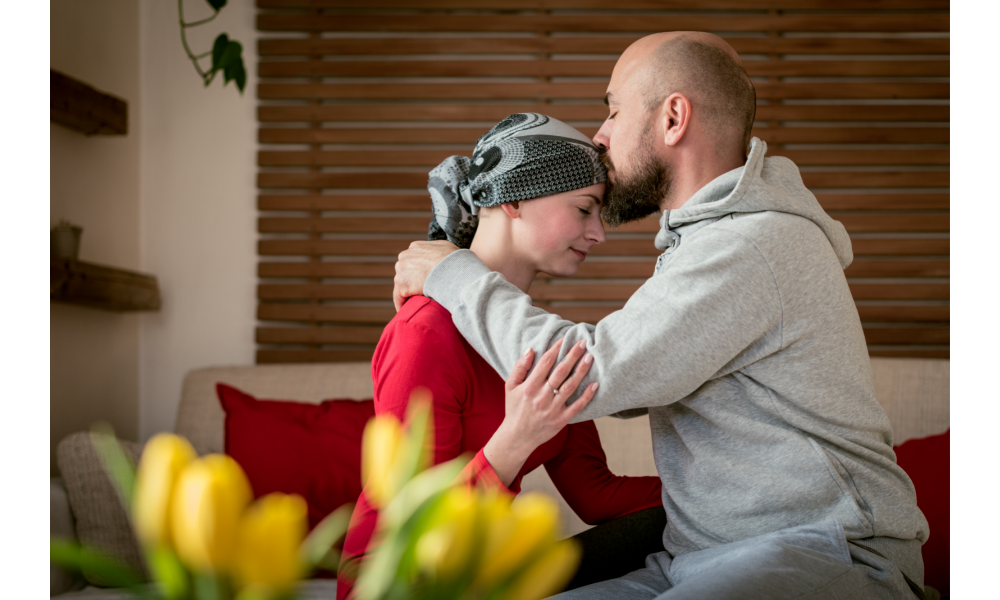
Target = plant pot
(65,241)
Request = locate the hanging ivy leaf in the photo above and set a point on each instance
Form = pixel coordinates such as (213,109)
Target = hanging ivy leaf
(218,51)
(232,65)
(216,4)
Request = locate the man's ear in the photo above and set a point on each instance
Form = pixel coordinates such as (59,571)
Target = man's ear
(513,209)
(675,116)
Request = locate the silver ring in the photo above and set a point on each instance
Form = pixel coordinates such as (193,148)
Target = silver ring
(555,392)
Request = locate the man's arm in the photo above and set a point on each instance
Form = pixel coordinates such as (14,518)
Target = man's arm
(715,300)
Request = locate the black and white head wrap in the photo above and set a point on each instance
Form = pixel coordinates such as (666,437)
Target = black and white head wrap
(525,156)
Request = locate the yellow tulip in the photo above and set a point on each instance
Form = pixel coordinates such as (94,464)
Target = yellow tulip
(163,458)
(445,549)
(270,534)
(209,500)
(511,539)
(381,444)
(548,575)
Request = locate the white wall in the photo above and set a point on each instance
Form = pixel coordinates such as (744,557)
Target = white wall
(198,205)
(94,183)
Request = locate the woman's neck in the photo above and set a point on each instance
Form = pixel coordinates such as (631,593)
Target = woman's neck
(496,251)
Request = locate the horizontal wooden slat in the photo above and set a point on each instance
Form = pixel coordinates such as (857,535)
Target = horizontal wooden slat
(619,4)
(499,91)
(431,158)
(325,269)
(578,112)
(616,247)
(318,291)
(344,225)
(905,313)
(590,68)
(322,202)
(331,247)
(894,246)
(854,135)
(860,21)
(341,334)
(910,352)
(902,222)
(898,268)
(923,156)
(268,356)
(590,45)
(900,291)
(877,179)
(773,135)
(884,201)
(320,313)
(906,335)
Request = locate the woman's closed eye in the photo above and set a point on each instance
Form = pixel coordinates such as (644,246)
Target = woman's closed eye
(584,211)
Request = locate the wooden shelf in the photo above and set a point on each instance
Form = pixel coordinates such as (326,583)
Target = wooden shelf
(97,286)
(80,107)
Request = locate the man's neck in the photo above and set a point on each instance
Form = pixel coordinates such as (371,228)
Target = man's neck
(692,175)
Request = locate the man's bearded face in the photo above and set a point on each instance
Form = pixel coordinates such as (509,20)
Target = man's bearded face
(638,193)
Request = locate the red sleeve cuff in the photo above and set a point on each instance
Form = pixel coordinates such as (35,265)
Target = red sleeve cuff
(479,473)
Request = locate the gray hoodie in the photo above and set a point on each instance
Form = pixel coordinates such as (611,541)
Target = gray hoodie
(746,348)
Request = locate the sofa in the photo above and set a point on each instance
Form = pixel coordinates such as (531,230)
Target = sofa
(913,392)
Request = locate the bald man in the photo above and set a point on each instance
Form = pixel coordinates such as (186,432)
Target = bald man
(744,347)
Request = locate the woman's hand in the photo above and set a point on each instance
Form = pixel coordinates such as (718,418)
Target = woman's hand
(536,407)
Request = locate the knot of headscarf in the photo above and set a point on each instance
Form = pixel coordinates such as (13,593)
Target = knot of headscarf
(525,156)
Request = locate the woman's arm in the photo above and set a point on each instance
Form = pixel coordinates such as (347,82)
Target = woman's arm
(536,407)
(580,472)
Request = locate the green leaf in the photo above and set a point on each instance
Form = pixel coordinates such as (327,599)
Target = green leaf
(72,555)
(116,463)
(320,540)
(216,4)
(169,573)
(218,50)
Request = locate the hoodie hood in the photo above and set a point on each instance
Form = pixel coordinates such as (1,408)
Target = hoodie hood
(762,184)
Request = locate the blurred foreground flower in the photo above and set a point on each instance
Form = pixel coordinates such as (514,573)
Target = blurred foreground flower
(202,537)
(163,459)
(440,538)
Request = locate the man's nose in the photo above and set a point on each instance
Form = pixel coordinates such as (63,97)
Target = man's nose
(603,137)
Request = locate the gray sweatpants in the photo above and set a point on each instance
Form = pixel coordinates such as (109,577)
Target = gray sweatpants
(810,561)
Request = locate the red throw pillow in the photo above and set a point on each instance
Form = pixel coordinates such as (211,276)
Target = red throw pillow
(927,462)
(313,450)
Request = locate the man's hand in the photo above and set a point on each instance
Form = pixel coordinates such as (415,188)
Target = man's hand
(413,267)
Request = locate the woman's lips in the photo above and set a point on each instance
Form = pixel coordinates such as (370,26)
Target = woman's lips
(581,255)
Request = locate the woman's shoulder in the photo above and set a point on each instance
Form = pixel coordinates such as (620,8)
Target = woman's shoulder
(422,312)
(421,321)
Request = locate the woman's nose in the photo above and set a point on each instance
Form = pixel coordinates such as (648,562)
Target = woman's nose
(595,230)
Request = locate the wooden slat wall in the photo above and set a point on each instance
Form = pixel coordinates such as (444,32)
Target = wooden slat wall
(358,100)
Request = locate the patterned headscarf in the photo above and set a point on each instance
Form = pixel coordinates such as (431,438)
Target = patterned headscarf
(525,156)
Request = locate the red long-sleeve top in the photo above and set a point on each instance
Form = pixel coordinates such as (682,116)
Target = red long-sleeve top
(422,347)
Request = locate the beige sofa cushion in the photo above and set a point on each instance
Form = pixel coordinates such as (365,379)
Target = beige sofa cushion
(200,417)
(101,520)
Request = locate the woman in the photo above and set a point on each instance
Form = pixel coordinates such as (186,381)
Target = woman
(527,202)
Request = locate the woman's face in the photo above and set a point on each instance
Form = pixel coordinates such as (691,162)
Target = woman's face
(555,234)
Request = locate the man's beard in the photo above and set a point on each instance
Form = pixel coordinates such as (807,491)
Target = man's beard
(638,195)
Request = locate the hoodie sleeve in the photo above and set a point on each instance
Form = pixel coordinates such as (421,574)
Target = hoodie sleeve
(713,308)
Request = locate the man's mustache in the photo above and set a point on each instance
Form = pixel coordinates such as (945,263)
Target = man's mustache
(602,155)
